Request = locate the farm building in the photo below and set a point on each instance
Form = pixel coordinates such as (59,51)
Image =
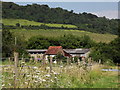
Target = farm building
(78,52)
(37,53)
(54,50)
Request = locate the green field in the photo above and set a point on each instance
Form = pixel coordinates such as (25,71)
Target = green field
(55,33)
(27,22)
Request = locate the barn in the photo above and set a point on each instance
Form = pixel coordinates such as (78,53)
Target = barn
(54,50)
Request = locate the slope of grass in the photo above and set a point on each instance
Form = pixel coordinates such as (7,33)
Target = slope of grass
(27,22)
(55,33)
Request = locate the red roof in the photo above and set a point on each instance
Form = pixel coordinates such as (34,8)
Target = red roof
(54,50)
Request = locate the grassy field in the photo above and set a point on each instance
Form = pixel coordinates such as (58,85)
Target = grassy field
(27,22)
(62,76)
(55,33)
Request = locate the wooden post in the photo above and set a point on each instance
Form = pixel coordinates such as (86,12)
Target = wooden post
(15,68)
(67,60)
(99,61)
(50,64)
(9,60)
(43,61)
(78,61)
(23,58)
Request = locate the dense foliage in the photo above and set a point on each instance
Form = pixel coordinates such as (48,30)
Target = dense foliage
(66,41)
(43,13)
(9,44)
(107,53)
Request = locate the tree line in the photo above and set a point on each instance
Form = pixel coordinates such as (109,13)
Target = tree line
(45,14)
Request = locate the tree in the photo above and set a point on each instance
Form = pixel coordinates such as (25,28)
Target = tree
(7,43)
(107,52)
(38,42)
(60,58)
(18,24)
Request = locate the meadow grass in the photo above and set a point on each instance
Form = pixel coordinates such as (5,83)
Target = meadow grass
(27,22)
(55,33)
(68,76)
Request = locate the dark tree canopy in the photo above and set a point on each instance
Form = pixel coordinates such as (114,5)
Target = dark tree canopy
(8,44)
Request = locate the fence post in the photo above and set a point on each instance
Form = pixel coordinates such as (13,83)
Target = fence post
(9,60)
(43,59)
(50,64)
(78,61)
(15,68)
(67,60)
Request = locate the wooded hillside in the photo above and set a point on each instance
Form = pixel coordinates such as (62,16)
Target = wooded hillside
(45,14)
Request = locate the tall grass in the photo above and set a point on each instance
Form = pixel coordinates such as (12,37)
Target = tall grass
(35,75)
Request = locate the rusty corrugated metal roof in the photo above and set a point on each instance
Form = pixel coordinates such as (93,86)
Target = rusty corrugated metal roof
(53,50)
(37,50)
(76,51)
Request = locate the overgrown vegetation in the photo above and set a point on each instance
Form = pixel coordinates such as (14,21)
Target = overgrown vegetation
(11,43)
(66,41)
(62,76)
(107,53)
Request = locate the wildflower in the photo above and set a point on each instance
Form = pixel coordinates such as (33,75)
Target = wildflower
(47,68)
(38,71)
(52,80)
(35,67)
(28,75)
(36,81)
(55,62)
(35,76)
(48,75)
(61,66)
(40,78)
(9,84)
(3,85)
(55,73)
(55,77)
(26,82)
(43,80)
(22,62)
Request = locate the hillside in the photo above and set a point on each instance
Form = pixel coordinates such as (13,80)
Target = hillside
(45,14)
(54,32)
